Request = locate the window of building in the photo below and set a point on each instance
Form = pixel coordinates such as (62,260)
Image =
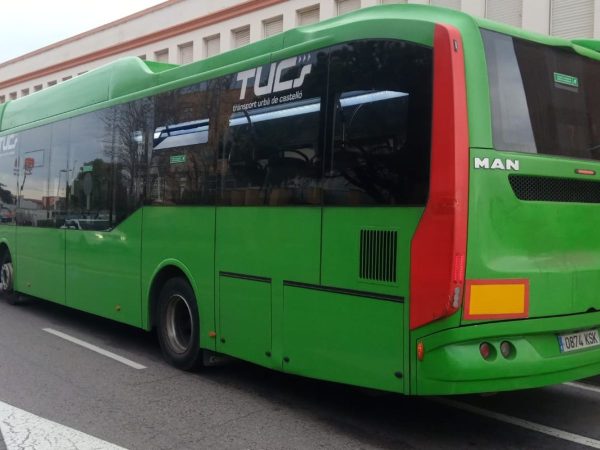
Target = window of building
(273,26)
(51,83)
(162,56)
(241,36)
(68,77)
(81,73)
(186,53)
(212,45)
(37,88)
(345,6)
(454,4)
(2,99)
(308,15)
(572,18)
(12,96)
(507,11)
(24,92)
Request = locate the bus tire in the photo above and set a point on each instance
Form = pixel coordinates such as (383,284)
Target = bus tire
(7,279)
(179,325)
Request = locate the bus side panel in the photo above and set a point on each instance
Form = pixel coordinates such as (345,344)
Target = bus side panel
(186,235)
(357,251)
(41,263)
(258,246)
(103,270)
(345,338)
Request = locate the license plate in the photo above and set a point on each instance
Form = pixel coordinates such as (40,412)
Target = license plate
(577,341)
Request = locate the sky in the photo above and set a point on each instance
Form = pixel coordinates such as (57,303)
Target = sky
(31,24)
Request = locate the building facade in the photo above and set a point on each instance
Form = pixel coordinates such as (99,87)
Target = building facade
(182,31)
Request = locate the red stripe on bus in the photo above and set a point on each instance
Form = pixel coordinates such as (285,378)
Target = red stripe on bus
(439,247)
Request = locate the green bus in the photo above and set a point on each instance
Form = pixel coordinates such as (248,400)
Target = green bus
(402,198)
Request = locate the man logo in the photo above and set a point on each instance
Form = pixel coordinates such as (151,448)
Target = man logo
(274,83)
(497,164)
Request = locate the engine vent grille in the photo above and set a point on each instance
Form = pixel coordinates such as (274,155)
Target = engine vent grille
(549,189)
(378,255)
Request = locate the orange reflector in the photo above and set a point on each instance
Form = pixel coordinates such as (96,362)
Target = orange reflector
(212,334)
(420,351)
(585,172)
(496,299)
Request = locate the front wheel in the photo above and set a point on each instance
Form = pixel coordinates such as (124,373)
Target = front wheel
(178,325)
(6,279)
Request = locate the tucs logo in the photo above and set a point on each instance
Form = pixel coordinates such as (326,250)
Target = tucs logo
(497,164)
(8,143)
(274,84)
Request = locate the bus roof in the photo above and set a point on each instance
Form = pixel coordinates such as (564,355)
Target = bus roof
(130,77)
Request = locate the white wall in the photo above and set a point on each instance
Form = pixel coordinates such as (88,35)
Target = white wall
(536,17)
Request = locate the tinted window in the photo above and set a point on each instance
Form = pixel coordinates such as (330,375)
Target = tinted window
(34,203)
(272,148)
(380,92)
(9,167)
(93,185)
(544,99)
(183,157)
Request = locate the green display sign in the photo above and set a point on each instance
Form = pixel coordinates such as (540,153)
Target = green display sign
(177,159)
(87,168)
(567,80)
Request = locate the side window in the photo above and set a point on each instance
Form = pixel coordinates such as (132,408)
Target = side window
(131,150)
(59,172)
(272,151)
(9,167)
(33,193)
(183,158)
(380,92)
(93,185)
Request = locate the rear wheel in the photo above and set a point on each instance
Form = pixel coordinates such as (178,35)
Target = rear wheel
(178,325)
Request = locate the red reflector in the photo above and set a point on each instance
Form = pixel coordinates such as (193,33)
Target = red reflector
(585,172)
(420,351)
(485,350)
(459,268)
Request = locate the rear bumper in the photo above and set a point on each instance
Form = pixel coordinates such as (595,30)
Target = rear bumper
(453,365)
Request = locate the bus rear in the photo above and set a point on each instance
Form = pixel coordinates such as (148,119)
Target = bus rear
(531,301)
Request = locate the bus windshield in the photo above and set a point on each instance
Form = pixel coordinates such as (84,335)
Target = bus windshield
(544,99)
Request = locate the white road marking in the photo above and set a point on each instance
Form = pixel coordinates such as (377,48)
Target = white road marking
(584,386)
(554,432)
(95,348)
(23,430)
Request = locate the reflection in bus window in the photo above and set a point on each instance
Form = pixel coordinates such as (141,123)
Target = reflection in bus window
(382,124)
(182,167)
(272,153)
(181,134)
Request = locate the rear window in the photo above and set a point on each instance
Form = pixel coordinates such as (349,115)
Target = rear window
(544,99)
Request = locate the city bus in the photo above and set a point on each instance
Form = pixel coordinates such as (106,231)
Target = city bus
(402,198)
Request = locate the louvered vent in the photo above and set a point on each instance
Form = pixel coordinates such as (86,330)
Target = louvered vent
(549,189)
(378,255)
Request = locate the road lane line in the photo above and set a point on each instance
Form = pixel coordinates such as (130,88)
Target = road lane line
(95,348)
(21,429)
(554,432)
(584,386)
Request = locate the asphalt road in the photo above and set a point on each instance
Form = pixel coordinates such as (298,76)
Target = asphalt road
(241,406)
